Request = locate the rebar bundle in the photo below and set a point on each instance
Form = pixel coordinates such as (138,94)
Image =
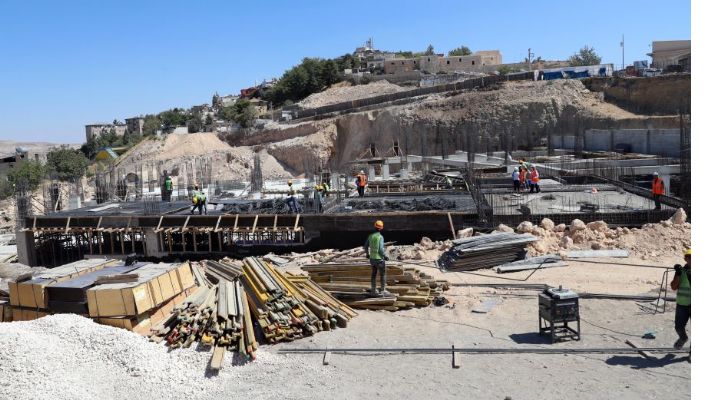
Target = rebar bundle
(485,251)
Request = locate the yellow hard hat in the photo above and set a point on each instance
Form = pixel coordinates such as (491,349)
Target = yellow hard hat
(379,224)
(290,182)
(687,252)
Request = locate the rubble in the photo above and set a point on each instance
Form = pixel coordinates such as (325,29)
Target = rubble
(547,224)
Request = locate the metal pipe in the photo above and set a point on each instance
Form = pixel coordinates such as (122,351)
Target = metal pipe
(471,350)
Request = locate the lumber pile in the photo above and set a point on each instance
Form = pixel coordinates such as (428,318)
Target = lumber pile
(242,303)
(350,283)
(485,251)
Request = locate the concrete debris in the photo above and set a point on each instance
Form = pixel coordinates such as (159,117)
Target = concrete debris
(524,227)
(341,92)
(679,217)
(504,228)
(464,233)
(547,224)
(599,226)
(560,228)
(427,243)
(576,225)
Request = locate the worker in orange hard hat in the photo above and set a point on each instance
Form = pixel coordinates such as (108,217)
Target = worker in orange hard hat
(361,182)
(681,283)
(375,251)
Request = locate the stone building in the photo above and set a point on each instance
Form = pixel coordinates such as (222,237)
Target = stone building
(135,125)
(435,64)
(94,130)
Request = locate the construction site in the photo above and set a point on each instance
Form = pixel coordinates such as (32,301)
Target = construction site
(558,285)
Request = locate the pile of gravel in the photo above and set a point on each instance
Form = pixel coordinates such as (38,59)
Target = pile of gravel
(67,356)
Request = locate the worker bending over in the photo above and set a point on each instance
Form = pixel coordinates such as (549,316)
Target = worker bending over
(199,201)
(658,188)
(375,251)
(681,283)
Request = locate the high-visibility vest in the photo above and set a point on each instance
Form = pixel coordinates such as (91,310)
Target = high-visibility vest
(657,186)
(168,184)
(362,180)
(535,176)
(522,175)
(374,245)
(683,296)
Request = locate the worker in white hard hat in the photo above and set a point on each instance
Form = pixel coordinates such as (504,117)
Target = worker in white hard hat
(361,182)
(658,188)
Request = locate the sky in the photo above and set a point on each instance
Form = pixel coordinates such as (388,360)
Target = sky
(65,64)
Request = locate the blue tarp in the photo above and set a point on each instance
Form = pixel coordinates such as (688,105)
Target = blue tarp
(552,75)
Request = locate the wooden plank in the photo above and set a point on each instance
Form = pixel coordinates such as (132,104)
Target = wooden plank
(236,220)
(216,226)
(455,358)
(295,226)
(184,226)
(66,229)
(157,228)
(276,218)
(256,219)
(645,354)
(451,225)
(217,357)
(326,358)
(98,224)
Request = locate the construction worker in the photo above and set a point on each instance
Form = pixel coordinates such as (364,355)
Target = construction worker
(375,252)
(516,179)
(198,201)
(318,197)
(523,177)
(534,180)
(681,283)
(658,188)
(326,189)
(168,185)
(361,182)
(291,199)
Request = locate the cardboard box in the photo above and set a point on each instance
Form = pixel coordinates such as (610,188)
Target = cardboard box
(143,323)
(30,293)
(157,283)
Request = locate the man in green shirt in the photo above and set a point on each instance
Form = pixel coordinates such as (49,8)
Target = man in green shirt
(681,283)
(375,251)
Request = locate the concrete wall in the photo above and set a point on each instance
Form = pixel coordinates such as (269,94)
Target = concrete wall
(400,65)
(662,142)
(659,95)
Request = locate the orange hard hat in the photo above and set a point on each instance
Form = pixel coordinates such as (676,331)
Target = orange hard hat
(379,224)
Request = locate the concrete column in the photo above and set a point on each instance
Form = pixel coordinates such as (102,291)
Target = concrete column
(385,170)
(151,246)
(26,248)
(371,172)
(666,178)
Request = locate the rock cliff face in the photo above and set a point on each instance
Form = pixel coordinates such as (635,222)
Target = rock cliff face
(519,113)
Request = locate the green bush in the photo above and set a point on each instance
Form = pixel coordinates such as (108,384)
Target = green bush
(66,163)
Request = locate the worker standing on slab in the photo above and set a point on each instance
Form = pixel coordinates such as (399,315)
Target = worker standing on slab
(681,283)
(361,182)
(523,176)
(291,199)
(375,251)
(318,197)
(168,185)
(658,188)
(516,179)
(534,180)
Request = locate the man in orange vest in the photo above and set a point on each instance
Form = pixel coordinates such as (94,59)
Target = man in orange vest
(535,180)
(658,188)
(361,182)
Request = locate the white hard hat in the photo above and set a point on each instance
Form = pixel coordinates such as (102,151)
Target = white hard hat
(362,171)
(655,174)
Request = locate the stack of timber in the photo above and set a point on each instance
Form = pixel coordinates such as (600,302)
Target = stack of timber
(28,295)
(246,302)
(485,251)
(350,283)
(140,298)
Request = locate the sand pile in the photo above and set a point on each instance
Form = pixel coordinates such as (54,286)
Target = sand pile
(344,92)
(652,240)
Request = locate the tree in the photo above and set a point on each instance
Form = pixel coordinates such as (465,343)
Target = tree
(586,56)
(241,112)
(66,163)
(151,124)
(460,51)
(506,69)
(429,51)
(28,174)
(310,76)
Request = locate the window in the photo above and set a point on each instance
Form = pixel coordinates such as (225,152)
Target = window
(473,63)
(448,62)
(402,62)
(459,59)
(428,59)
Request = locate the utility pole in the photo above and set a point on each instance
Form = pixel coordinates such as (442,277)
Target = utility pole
(623,63)
(529,60)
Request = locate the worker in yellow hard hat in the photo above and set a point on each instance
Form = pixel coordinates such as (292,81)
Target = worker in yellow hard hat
(375,251)
(681,283)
